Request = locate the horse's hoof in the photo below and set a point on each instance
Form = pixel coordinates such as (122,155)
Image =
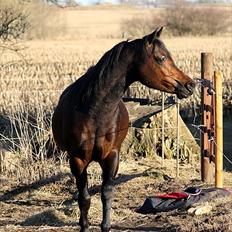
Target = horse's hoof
(105,229)
(84,226)
(84,230)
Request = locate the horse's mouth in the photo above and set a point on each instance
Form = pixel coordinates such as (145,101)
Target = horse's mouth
(184,91)
(182,95)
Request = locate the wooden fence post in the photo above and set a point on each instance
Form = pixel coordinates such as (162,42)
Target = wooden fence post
(162,132)
(218,129)
(206,103)
(177,139)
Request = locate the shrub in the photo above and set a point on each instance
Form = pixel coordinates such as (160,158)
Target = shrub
(13,21)
(139,26)
(46,21)
(31,19)
(182,19)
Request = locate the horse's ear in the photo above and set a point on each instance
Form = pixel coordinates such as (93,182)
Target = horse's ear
(149,39)
(159,31)
(155,34)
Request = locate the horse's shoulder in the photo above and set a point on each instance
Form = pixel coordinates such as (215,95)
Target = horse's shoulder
(122,104)
(123,111)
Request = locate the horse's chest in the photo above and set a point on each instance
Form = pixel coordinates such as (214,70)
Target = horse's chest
(103,144)
(98,138)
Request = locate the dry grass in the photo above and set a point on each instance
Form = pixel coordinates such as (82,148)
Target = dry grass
(30,89)
(52,206)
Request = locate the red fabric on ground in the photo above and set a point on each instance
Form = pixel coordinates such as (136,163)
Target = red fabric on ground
(172,195)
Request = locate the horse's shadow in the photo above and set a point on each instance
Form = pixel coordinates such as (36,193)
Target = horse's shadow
(9,196)
(144,228)
(50,218)
(47,218)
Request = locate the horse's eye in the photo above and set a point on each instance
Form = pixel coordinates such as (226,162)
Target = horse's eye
(161,59)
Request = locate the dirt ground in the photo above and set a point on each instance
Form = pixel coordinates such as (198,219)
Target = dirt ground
(50,205)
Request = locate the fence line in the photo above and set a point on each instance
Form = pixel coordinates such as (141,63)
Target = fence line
(198,127)
(163,127)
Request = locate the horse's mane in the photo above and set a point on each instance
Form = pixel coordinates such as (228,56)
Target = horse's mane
(96,75)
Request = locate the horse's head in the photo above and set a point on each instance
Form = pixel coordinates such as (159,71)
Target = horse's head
(158,70)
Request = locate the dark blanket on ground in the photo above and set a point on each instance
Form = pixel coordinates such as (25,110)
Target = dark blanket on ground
(180,200)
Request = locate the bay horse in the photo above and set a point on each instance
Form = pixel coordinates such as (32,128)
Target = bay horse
(91,121)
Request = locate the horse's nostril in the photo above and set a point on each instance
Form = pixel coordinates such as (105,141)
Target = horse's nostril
(190,86)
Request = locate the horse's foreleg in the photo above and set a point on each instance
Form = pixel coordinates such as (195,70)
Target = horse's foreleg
(110,168)
(78,169)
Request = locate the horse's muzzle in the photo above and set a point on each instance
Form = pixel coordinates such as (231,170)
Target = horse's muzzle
(186,90)
(190,86)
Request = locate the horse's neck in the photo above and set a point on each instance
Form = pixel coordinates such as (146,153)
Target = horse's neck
(105,98)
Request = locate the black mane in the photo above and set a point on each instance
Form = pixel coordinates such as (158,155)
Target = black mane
(96,75)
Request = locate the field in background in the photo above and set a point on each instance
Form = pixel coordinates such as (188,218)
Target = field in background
(101,22)
(32,81)
(30,85)
(49,66)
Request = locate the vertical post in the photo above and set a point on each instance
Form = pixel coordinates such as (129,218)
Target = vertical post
(162,129)
(218,130)
(206,102)
(177,140)
(212,145)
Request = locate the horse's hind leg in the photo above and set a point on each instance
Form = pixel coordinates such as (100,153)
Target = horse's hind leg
(78,168)
(110,168)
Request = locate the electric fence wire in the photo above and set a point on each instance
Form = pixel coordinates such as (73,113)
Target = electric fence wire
(198,127)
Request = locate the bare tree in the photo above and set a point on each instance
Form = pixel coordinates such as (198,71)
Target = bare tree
(13,23)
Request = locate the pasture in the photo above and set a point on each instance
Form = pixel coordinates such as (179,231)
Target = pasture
(39,195)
